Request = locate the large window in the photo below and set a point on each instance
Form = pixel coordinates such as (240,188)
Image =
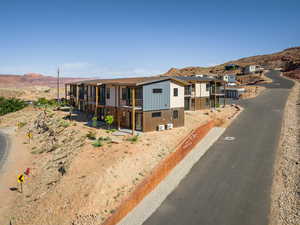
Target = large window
(108,93)
(157,90)
(124,93)
(156,114)
(175,92)
(175,114)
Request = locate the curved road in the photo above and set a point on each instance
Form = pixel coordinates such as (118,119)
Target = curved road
(231,183)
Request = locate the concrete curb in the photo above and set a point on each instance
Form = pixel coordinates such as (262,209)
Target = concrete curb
(165,177)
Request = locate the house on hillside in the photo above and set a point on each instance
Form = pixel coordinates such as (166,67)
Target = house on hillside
(142,104)
(252,69)
(231,67)
(230,78)
(202,92)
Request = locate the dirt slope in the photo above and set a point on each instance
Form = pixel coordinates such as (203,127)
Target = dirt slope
(288,59)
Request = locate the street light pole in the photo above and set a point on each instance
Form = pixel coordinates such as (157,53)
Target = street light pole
(58,84)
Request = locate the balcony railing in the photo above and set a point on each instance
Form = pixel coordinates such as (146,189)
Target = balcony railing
(128,103)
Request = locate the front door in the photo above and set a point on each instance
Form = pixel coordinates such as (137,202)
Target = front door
(187,105)
(138,121)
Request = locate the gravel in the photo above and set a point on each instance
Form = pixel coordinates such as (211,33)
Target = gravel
(285,204)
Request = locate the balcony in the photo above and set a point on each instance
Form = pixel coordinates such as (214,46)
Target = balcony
(128,103)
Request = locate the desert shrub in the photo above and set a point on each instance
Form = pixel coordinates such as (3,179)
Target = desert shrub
(64,124)
(95,121)
(43,102)
(107,139)
(11,105)
(91,135)
(133,139)
(21,124)
(97,143)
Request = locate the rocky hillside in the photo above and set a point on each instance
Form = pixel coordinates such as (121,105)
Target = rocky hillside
(32,79)
(288,59)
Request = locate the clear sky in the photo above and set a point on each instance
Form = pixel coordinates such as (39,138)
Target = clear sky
(139,37)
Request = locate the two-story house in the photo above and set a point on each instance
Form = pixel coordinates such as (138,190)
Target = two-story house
(143,103)
(202,92)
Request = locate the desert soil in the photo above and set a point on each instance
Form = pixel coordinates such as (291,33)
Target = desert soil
(285,204)
(31,93)
(96,179)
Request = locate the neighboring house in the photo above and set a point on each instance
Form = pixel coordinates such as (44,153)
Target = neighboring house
(252,69)
(233,92)
(231,67)
(230,78)
(202,92)
(143,104)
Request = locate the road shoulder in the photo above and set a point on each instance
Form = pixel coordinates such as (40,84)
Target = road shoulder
(285,201)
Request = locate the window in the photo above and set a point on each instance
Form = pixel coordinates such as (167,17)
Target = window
(207,86)
(175,114)
(124,93)
(193,87)
(175,90)
(157,90)
(156,114)
(108,93)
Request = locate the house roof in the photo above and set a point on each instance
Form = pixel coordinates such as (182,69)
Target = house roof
(197,79)
(132,81)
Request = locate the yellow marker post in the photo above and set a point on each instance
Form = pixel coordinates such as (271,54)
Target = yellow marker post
(29,135)
(21,179)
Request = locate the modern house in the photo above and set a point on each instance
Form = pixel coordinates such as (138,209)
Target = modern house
(230,78)
(142,104)
(252,69)
(202,92)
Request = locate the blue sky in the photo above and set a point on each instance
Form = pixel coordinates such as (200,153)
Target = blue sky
(135,38)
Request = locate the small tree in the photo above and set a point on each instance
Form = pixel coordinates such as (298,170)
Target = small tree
(109,119)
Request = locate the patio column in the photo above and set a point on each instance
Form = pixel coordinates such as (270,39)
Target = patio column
(224,93)
(133,110)
(119,104)
(97,98)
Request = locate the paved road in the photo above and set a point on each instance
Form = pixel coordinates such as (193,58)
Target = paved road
(3,148)
(231,184)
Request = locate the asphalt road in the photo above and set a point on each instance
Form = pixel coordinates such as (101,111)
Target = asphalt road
(3,148)
(231,183)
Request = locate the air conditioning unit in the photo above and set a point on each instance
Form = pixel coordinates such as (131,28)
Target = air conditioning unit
(161,127)
(169,126)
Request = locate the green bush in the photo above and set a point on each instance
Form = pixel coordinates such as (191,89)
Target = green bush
(109,119)
(43,102)
(95,121)
(64,124)
(11,105)
(97,143)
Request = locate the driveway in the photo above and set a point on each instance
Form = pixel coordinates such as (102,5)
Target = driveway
(231,183)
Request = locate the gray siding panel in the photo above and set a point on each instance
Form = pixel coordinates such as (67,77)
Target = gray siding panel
(156,101)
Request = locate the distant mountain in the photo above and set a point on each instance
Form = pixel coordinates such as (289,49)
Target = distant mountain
(33,79)
(288,59)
